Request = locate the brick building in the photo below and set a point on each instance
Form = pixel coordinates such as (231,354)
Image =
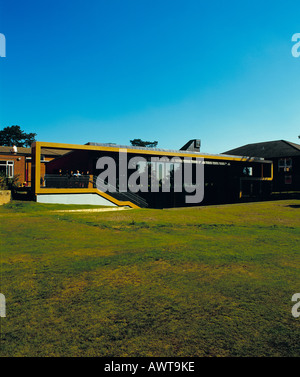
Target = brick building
(18,164)
(285,156)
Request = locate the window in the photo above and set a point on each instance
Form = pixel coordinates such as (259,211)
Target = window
(288,179)
(10,169)
(285,164)
(248,171)
(7,168)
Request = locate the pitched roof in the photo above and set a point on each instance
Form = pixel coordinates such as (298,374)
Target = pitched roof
(27,151)
(21,150)
(268,149)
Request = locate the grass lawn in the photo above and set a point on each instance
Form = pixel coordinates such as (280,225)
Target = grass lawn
(206,281)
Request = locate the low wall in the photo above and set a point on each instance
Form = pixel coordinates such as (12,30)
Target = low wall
(5,196)
(92,199)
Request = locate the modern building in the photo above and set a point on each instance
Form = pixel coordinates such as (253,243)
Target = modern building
(118,175)
(286,161)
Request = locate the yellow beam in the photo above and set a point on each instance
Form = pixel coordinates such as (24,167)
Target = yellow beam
(140,151)
(37,162)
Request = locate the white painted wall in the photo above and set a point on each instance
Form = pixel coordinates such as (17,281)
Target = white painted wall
(91,199)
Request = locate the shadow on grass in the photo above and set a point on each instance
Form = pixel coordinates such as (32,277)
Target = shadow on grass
(294,206)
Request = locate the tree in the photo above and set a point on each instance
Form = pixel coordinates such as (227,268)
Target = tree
(141,143)
(14,135)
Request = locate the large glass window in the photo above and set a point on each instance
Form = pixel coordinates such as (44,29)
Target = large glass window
(7,168)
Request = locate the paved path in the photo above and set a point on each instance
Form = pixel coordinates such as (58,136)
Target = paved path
(94,209)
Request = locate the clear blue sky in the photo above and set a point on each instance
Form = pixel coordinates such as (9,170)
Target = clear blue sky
(166,70)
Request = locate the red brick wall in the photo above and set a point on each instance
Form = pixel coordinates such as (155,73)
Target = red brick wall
(19,165)
(22,167)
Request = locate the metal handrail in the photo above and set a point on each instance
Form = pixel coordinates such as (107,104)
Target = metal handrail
(65,181)
(136,199)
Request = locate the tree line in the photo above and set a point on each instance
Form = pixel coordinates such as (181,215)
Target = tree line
(13,135)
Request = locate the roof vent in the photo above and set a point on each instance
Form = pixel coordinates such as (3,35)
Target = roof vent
(192,145)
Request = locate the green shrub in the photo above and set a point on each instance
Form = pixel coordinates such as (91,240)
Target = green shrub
(8,183)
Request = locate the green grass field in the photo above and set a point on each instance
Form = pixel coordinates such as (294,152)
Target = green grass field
(206,281)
